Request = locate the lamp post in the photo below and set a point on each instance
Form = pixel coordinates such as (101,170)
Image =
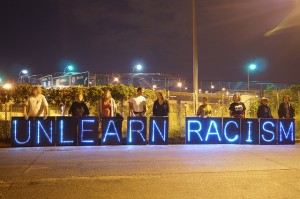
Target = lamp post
(138,67)
(195,57)
(251,67)
(21,74)
(211,88)
(69,68)
(179,84)
(7,87)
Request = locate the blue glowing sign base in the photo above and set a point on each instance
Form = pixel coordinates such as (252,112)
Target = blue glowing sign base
(136,130)
(111,131)
(45,133)
(88,131)
(249,131)
(158,130)
(66,128)
(22,132)
(268,131)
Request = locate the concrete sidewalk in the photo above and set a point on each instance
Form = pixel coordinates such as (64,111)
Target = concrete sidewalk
(174,171)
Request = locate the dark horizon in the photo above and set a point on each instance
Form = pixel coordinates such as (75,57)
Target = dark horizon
(104,36)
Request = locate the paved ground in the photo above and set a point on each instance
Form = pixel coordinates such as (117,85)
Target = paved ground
(174,171)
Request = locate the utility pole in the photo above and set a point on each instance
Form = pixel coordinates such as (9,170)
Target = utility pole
(195,57)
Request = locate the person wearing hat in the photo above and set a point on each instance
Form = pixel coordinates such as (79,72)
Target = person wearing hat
(204,110)
(264,110)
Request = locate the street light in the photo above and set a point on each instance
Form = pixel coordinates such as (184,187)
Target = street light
(179,84)
(211,88)
(154,87)
(251,67)
(116,79)
(22,73)
(70,68)
(138,67)
(7,87)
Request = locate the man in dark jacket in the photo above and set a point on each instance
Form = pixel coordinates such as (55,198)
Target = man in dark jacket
(264,110)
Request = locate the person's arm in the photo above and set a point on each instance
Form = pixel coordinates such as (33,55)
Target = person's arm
(86,110)
(199,111)
(154,109)
(25,105)
(168,108)
(25,111)
(144,107)
(230,110)
(45,106)
(131,107)
(209,111)
(292,110)
(258,114)
(280,111)
(99,108)
(71,110)
(46,112)
(115,108)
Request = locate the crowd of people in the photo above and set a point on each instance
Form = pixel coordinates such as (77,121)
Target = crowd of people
(36,106)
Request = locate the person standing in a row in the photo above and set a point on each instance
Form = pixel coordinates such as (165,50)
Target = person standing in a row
(137,104)
(204,110)
(237,108)
(36,105)
(160,106)
(78,107)
(107,106)
(286,110)
(264,110)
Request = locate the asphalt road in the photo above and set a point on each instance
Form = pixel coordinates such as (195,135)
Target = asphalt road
(174,171)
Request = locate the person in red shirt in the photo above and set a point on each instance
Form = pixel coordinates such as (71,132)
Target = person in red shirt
(107,106)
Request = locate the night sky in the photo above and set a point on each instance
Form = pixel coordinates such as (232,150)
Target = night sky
(111,36)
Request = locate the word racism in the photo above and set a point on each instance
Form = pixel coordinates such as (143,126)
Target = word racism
(83,131)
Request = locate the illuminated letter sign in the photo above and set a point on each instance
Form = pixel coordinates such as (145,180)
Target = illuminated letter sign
(73,131)
(66,129)
(231,130)
(44,131)
(193,130)
(159,127)
(111,131)
(249,131)
(214,131)
(22,132)
(136,130)
(204,130)
(286,131)
(88,131)
(268,134)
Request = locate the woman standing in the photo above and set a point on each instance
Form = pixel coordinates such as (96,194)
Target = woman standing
(107,106)
(79,108)
(237,108)
(160,106)
(264,111)
(286,109)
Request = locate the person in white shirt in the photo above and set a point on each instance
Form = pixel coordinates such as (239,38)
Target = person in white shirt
(137,104)
(36,105)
